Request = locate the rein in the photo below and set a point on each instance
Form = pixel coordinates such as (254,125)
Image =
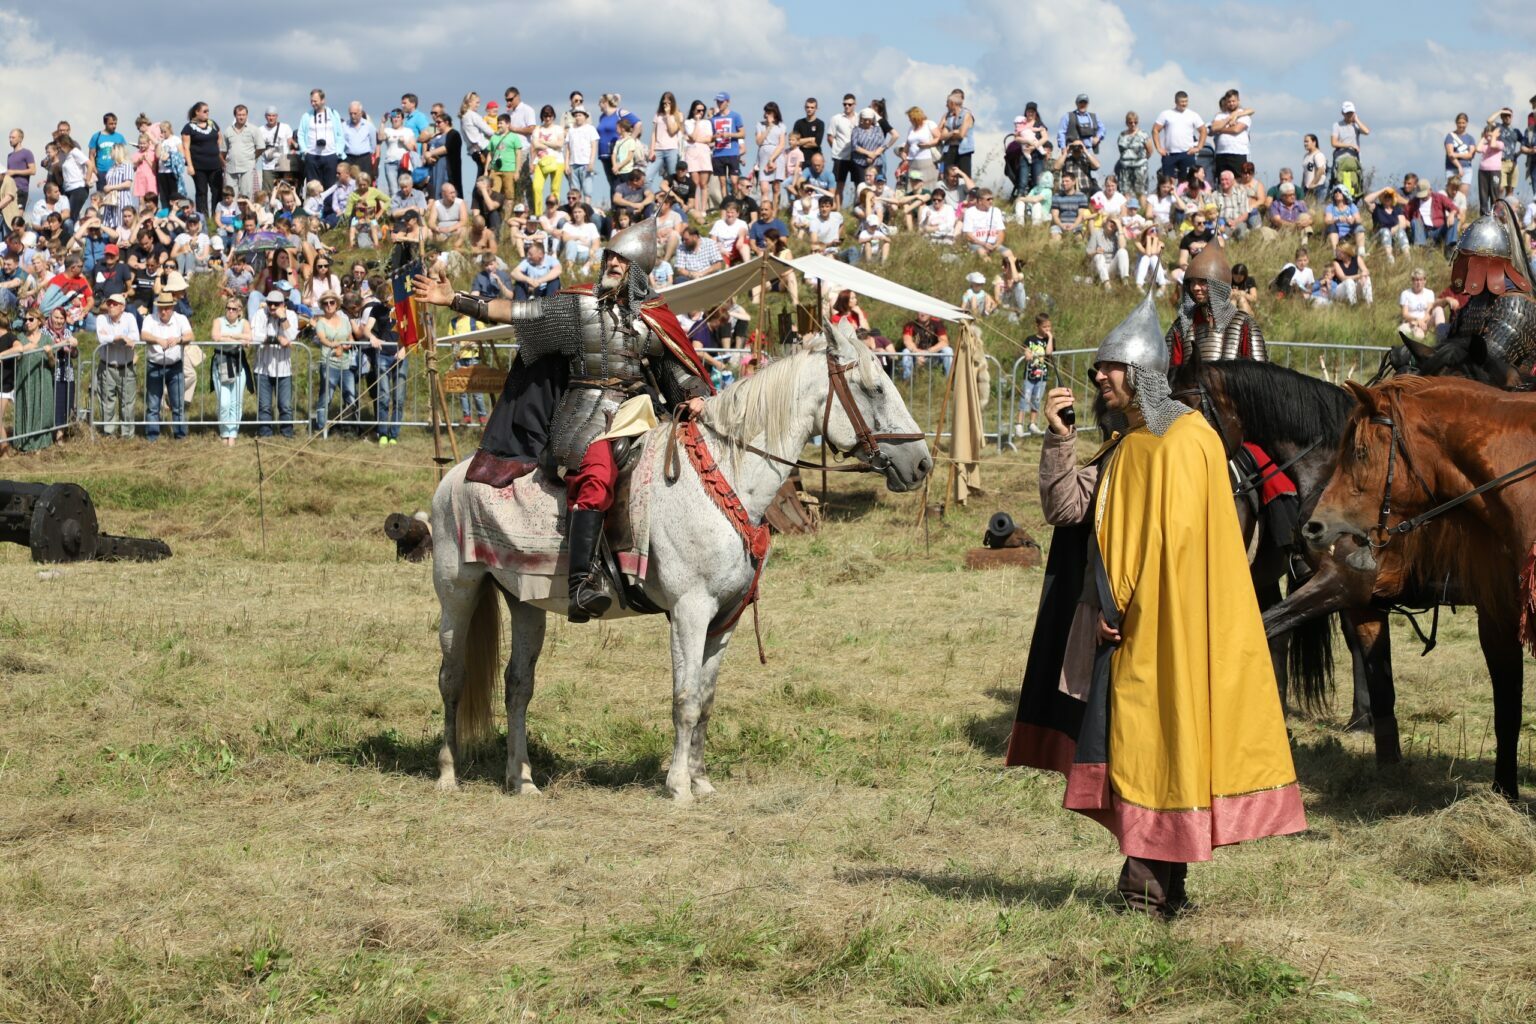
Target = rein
(1249,483)
(1408,525)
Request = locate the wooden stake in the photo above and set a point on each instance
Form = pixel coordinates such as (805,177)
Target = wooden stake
(436,399)
(261,496)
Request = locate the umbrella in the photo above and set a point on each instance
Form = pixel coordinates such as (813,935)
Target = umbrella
(264,241)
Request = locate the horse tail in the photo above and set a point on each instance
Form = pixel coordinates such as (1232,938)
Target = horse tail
(1309,668)
(482,665)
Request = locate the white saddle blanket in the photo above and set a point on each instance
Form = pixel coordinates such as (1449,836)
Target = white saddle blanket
(522,527)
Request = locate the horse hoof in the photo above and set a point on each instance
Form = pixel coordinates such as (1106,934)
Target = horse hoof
(527,789)
(447,785)
(681,796)
(702,786)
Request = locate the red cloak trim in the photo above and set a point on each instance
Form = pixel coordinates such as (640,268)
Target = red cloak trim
(664,323)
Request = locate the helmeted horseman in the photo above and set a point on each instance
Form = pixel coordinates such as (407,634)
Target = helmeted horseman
(1491,287)
(595,365)
(1209,327)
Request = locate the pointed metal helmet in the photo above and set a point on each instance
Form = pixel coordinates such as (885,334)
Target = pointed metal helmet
(636,244)
(1138,341)
(1486,237)
(1210,265)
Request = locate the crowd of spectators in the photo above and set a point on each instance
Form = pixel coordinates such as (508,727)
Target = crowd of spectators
(105,236)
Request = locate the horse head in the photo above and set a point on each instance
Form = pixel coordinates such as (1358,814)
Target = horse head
(1460,356)
(865,413)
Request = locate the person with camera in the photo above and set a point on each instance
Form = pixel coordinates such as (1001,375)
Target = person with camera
(320,140)
(274,327)
(1149,684)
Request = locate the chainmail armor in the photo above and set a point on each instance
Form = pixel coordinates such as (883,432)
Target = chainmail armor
(1154,397)
(1510,329)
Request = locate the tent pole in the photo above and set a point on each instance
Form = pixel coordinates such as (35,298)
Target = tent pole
(821,323)
(938,436)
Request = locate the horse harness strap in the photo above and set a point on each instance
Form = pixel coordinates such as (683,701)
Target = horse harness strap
(1414,522)
(866,445)
(755,538)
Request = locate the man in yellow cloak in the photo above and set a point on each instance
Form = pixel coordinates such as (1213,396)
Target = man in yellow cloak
(1149,684)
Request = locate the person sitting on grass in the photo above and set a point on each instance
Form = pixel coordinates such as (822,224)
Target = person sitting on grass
(936,221)
(1422,312)
(874,239)
(975,300)
(826,228)
(1351,280)
(926,335)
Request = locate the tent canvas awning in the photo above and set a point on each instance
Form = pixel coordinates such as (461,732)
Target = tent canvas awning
(717,289)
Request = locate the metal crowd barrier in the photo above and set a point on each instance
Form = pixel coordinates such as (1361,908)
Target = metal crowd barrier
(922,386)
(11,412)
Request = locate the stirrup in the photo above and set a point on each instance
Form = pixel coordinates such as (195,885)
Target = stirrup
(590,596)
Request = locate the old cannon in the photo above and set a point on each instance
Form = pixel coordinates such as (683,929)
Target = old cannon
(58,523)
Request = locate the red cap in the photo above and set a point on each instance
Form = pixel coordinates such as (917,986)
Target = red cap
(111,249)
(493,105)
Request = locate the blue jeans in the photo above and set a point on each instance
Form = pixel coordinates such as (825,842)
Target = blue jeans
(581,179)
(523,293)
(265,386)
(331,378)
(1175,164)
(464,399)
(391,394)
(664,166)
(164,381)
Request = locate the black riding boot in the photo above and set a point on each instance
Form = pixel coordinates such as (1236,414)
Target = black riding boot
(588,586)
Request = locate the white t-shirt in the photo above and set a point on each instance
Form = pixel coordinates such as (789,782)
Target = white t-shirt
(984,225)
(1181,129)
(926,133)
(1314,167)
(840,136)
(580,144)
(523,116)
(1304,280)
(274,360)
(727,235)
(938,221)
(828,231)
(801,211)
(396,142)
(1159,208)
(1418,303)
(1113,206)
(580,236)
(273,144)
(153,331)
(73,169)
(1236,144)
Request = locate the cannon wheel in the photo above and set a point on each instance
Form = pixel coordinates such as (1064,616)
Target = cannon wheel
(64,525)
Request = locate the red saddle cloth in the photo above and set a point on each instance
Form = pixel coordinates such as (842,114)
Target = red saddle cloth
(1273,481)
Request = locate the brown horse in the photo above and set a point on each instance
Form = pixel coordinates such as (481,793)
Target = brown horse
(1411,446)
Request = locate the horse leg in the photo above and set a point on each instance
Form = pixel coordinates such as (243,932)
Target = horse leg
(458,594)
(1268,593)
(1506,668)
(527,643)
(690,624)
(1374,640)
(1360,711)
(714,652)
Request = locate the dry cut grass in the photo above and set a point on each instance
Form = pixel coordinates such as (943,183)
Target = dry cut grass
(219,799)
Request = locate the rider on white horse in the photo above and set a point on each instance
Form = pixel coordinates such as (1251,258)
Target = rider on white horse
(624,358)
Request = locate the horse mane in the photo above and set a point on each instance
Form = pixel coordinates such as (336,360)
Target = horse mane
(762,409)
(1279,404)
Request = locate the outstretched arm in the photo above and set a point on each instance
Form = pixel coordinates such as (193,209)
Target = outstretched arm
(438,292)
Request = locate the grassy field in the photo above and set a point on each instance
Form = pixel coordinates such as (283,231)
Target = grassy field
(219,804)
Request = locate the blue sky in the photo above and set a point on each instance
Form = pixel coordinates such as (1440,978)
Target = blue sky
(1293,62)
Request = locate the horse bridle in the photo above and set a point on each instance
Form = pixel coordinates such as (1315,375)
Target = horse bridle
(1384,533)
(1249,484)
(866,443)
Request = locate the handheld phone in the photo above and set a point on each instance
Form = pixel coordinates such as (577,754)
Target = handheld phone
(1069,414)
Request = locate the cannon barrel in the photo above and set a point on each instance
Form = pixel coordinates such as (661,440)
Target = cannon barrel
(57,522)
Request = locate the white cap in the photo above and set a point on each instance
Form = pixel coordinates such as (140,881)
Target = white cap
(1347,108)
(868,114)
(976,277)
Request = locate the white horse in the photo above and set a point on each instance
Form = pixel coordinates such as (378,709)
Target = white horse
(697,563)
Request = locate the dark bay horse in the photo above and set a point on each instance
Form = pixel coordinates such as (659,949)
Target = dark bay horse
(1409,446)
(1297,420)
